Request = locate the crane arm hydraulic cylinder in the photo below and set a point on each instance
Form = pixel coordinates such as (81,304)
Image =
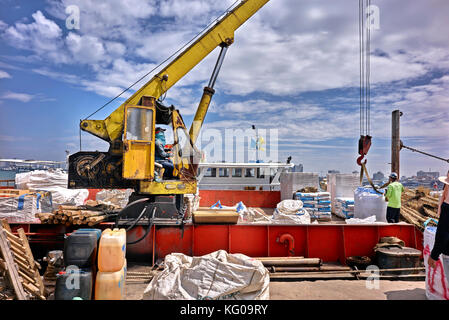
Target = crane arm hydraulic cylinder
(208,92)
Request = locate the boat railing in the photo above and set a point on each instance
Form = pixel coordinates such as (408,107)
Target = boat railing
(268,179)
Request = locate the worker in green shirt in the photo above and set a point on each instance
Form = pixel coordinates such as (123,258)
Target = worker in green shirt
(393,196)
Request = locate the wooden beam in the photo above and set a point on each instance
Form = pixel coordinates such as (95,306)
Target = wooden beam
(12,270)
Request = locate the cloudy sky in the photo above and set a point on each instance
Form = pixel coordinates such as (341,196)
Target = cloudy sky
(294,67)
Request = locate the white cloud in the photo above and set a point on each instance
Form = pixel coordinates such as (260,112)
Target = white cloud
(4,74)
(85,49)
(41,36)
(23,97)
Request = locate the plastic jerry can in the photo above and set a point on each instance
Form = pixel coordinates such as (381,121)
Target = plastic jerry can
(112,250)
(80,249)
(111,285)
(74,283)
(96,231)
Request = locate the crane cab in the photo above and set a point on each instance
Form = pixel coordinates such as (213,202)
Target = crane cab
(133,165)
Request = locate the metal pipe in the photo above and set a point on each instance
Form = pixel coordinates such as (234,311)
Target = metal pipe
(288,239)
(359,271)
(213,78)
(308,262)
(208,92)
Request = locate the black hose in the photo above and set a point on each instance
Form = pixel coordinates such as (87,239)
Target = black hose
(138,219)
(147,231)
(127,206)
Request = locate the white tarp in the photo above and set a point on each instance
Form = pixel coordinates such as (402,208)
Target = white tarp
(55,181)
(437,287)
(368,203)
(23,209)
(215,276)
(114,197)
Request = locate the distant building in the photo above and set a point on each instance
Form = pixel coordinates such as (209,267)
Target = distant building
(333,171)
(428,174)
(355,171)
(378,176)
(298,168)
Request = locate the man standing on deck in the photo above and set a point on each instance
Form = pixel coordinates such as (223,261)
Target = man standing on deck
(393,196)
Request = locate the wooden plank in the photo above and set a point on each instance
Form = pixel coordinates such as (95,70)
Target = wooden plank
(4,223)
(13,237)
(34,290)
(26,245)
(34,265)
(215,216)
(12,270)
(67,207)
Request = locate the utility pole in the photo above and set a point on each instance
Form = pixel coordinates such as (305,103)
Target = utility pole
(395,141)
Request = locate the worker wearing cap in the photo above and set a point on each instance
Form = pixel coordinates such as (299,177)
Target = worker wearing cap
(161,156)
(393,196)
(441,245)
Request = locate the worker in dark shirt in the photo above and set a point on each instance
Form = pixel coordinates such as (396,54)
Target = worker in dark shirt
(441,245)
(161,156)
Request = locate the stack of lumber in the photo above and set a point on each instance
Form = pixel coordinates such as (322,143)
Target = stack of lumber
(18,264)
(418,206)
(90,214)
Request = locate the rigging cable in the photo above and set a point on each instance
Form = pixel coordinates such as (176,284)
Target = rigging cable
(160,64)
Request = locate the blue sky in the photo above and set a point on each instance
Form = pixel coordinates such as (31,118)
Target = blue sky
(293,66)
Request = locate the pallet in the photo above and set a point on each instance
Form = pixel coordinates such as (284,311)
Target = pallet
(19,264)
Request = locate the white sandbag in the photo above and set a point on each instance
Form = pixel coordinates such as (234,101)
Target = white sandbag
(23,209)
(290,212)
(368,203)
(437,287)
(66,196)
(114,196)
(289,206)
(215,276)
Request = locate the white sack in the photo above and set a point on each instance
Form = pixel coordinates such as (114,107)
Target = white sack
(114,196)
(368,203)
(215,276)
(290,212)
(368,220)
(54,181)
(436,283)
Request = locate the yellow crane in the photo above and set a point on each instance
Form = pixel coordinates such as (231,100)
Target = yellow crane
(130,130)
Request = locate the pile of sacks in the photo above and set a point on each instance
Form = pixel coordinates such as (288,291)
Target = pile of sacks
(23,208)
(54,181)
(344,208)
(318,204)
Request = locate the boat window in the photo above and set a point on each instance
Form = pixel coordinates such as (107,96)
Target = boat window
(211,172)
(223,172)
(260,173)
(237,172)
(249,173)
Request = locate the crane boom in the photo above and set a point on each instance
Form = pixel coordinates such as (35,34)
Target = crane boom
(222,32)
